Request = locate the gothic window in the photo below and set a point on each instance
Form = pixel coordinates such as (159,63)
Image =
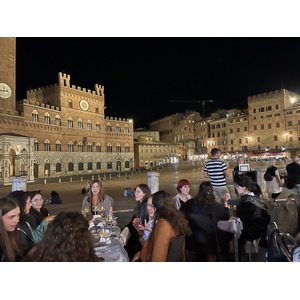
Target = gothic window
(47,145)
(47,118)
(35,116)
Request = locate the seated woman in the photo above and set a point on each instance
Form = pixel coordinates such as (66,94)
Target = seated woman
(203,213)
(10,245)
(28,235)
(54,198)
(183,188)
(97,199)
(140,215)
(37,211)
(66,240)
(252,212)
(145,229)
(168,223)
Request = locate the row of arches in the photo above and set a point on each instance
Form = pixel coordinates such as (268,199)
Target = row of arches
(35,117)
(82,146)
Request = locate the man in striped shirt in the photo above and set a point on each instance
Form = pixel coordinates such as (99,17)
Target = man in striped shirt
(216,170)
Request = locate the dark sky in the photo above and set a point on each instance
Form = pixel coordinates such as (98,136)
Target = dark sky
(142,75)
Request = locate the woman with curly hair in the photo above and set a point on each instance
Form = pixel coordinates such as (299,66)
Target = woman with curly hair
(203,213)
(66,240)
(97,198)
(10,245)
(168,223)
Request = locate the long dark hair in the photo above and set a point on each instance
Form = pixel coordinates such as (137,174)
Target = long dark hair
(166,208)
(40,215)
(20,197)
(146,190)
(9,240)
(67,239)
(250,185)
(206,194)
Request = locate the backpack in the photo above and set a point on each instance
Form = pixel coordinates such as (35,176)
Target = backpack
(268,176)
(281,247)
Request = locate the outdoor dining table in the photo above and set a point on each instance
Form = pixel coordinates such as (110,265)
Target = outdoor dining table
(113,250)
(116,253)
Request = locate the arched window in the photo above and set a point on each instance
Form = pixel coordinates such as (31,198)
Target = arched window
(98,126)
(126,129)
(58,167)
(80,124)
(109,165)
(118,148)
(35,116)
(70,104)
(47,145)
(58,146)
(127,148)
(109,148)
(57,120)
(108,128)
(70,167)
(98,147)
(89,125)
(118,128)
(70,122)
(70,147)
(98,165)
(90,166)
(89,147)
(80,166)
(80,147)
(47,118)
(127,164)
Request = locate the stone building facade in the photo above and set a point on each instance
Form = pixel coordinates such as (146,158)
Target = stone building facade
(149,152)
(66,129)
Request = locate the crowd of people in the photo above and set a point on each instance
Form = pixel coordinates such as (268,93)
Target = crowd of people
(29,233)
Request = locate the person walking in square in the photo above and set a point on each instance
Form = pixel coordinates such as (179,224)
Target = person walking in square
(216,170)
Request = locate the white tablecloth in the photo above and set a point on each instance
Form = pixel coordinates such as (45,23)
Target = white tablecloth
(117,252)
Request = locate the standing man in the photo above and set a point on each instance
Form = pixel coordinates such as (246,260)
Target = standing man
(216,170)
(293,175)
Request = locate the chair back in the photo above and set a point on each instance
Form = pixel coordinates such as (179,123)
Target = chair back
(273,219)
(176,249)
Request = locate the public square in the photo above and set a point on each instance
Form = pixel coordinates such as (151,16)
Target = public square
(70,192)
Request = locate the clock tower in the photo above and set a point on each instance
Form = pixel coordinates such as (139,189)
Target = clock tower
(7,74)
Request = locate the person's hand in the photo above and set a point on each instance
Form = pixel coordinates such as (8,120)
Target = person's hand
(148,226)
(226,197)
(137,224)
(49,218)
(137,257)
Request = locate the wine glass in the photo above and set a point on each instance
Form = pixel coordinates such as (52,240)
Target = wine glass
(106,232)
(85,210)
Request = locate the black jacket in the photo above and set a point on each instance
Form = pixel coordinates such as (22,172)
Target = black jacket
(35,218)
(203,223)
(25,236)
(254,217)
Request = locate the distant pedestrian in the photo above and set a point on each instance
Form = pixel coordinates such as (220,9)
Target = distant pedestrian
(216,170)
(293,176)
(273,187)
(83,191)
(129,193)
(54,198)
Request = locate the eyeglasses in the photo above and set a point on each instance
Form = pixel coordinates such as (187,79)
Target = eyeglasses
(37,200)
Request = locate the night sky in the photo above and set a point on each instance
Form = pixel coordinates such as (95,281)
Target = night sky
(141,76)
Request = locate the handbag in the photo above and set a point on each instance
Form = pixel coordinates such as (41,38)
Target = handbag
(281,246)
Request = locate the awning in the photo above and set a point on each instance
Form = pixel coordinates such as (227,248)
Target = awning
(267,153)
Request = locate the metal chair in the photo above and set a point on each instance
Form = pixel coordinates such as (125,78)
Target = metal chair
(176,249)
(274,218)
(297,201)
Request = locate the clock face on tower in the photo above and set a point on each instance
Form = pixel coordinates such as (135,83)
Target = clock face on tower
(84,105)
(5,91)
